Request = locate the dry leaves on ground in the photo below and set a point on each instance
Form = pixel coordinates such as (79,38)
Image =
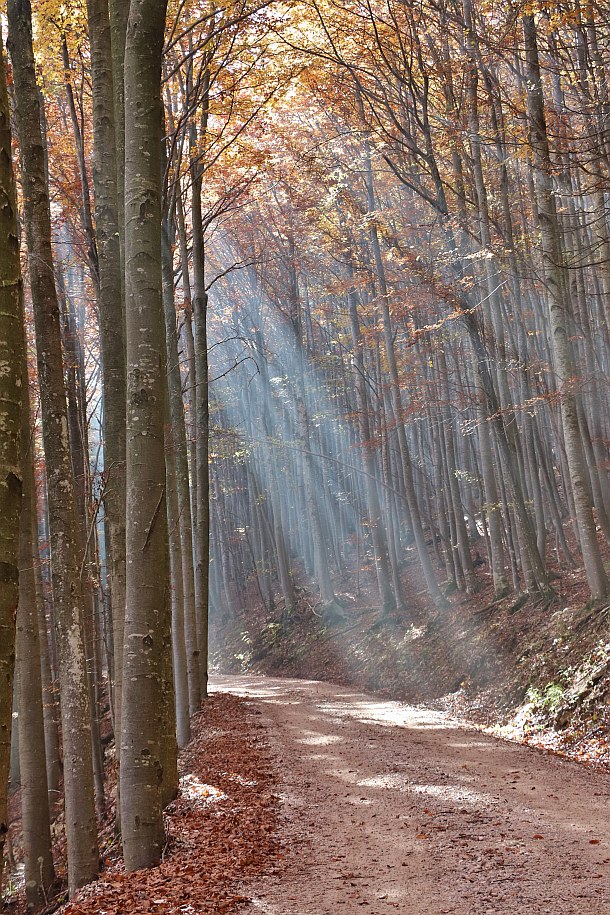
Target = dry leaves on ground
(220,829)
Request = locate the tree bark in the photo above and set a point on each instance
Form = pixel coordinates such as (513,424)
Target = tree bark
(141,775)
(178,446)
(111,320)
(81,832)
(181,690)
(35,819)
(560,316)
(202,470)
(12,362)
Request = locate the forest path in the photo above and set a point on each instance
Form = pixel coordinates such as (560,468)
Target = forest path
(390,807)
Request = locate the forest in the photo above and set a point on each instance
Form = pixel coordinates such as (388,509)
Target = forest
(304,373)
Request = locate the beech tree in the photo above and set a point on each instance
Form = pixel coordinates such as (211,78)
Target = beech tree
(12,375)
(107,166)
(560,315)
(81,829)
(35,814)
(141,771)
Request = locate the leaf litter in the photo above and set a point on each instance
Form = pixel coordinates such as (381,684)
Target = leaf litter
(221,828)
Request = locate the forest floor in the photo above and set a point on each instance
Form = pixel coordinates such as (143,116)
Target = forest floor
(534,673)
(389,807)
(306,798)
(222,827)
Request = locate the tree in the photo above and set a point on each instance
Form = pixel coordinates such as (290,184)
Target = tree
(35,817)
(141,774)
(106,166)
(81,828)
(561,318)
(12,362)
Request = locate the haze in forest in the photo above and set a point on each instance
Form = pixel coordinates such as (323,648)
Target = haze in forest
(303,315)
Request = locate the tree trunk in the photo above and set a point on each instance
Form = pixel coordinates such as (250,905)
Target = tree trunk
(181,690)
(81,831)
(141,774)
(201,470)
(49,701)
(560,315)
(178,446)
(12,363)
(118,13)
(111,320)
(35,819)
(389,600)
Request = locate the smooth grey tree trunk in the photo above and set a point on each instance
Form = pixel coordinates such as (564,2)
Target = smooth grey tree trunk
(12,362)
(81,827)
(201,470)
(35,819)
(178,445)
(111,320)
(141,766)
(49,701)
(183,726)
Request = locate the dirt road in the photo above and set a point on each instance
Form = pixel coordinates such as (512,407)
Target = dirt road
(394,808)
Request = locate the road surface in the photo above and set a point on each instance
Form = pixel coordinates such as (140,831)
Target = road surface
(389,807)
